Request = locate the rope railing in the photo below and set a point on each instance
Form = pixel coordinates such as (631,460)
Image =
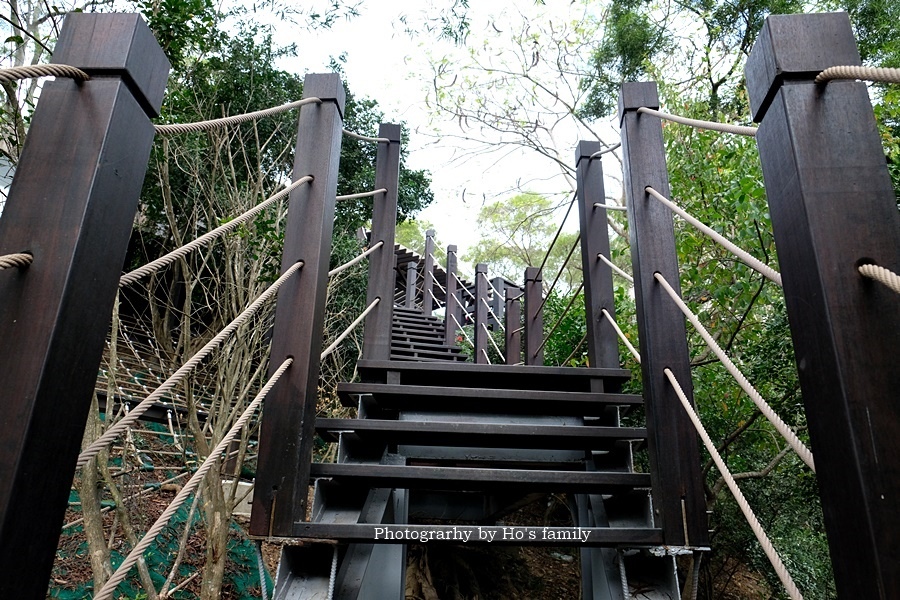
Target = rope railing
(575,349)
(493,314)
(349,329)
(17,260)
(143,492)
(879,74)
(490,283)
(560,320)
(355,260)
(799,447)
(163,261)
(364,138)
(493,343)
(743,255)
(560,272)
(758,530)
(700,124)
(361,194)
(611,206)
(600,153)
(486,357)
(438,283)
(106,592)
(621,334)
(463,287)
(144,405)
(882,275)
(460,328)
(616,269)
(198,126)
(558,232)
(10,74)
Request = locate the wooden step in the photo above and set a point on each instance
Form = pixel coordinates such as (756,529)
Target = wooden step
(412,337)
(499,401)
(481,480)
(364,533)
(433,346)
(486,435)
(419,318)
(496,376)
(417,328)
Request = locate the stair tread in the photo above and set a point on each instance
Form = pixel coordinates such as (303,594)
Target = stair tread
(479,479)
(519,371)
(487,435)
(531,536)
(517,401)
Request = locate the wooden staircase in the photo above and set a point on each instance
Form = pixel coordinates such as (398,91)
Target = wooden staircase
(441,444)
(417,337)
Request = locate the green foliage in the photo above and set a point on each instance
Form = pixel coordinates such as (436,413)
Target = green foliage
(517,232)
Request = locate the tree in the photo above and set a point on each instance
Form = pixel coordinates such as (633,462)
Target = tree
(517,233)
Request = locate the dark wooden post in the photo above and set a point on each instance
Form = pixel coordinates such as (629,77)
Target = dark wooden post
(377,340)
(411,272)
(71,206)
(672,441)
(534,317)
(453,307)
(832,209)
(498,301)
(513,318)
(603,345)
(481,313)
(428,275)
(288,424)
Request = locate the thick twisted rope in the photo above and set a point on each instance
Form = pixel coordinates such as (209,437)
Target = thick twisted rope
(746,257)
(575,349)
(885,276)
(332,576)
(560,272)
(560,320)
(374,140)
(460,328)
(621,334)
(623,577)
(786,432)
(170,383)
(176,128)
(558,232)
(262,571)
(700,124)
(611,206)
(149,538)
(204,239)
(493,314)
(760,533)
(486,357)
(19,259)
(463,287)
(600,153)
(353,261)
(616,269)
(347,331)
(11,74)
(493,343)
(879,74)
(361,194)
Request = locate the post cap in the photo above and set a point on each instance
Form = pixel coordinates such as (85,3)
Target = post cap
(634,95)
(116,45)
(796,47)
(326,87)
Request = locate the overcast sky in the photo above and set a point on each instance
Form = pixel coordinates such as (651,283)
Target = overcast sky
(385,64)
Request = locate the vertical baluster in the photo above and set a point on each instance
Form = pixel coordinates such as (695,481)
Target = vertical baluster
(453,313)
(377,340)
(672,442)
(513,316)
(71,205)
(833,208)
(411,276)
(481,313)
(534,317)
(428,275)
(288,425)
